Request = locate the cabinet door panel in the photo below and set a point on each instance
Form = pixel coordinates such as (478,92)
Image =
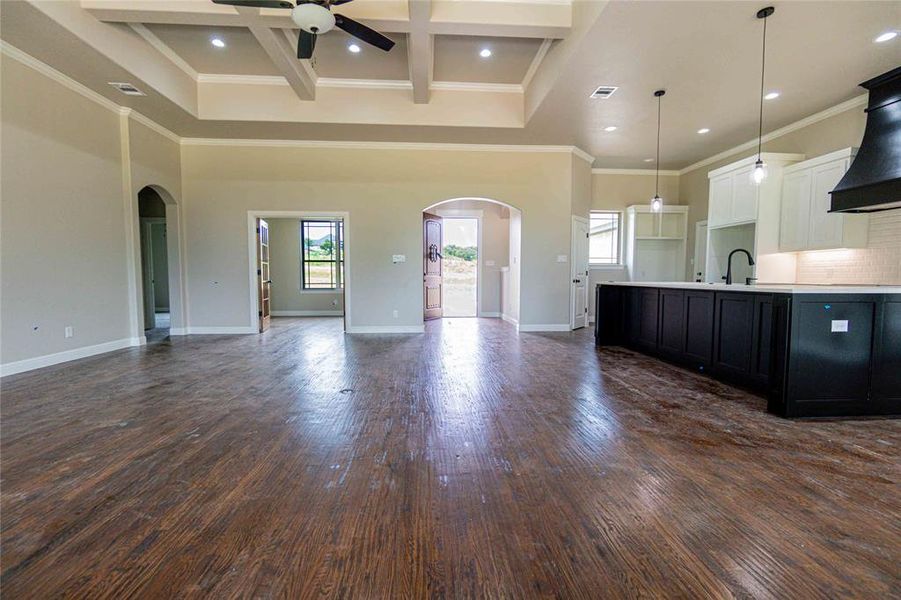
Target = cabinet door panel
(887,367)
(647,319)
(699,327)
(744,197)
(763,337)
(795,221)
(734,334)
(825,229)
(672,325)
(720,201)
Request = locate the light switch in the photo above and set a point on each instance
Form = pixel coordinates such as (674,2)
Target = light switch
(839,326)
(398,258)
(561,258)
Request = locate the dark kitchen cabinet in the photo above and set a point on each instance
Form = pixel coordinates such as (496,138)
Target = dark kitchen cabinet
(698,321)
(611,317)
(733,335)
(646,305)
(671,342)
(887,357)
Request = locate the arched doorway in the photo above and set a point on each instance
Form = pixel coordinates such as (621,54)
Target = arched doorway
(471,259)
(158,281)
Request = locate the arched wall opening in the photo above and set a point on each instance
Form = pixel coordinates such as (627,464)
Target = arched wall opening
(498,270)
(159,270)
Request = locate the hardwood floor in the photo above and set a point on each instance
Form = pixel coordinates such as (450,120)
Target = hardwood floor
(467,462)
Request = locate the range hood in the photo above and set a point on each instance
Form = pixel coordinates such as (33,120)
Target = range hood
(873,182)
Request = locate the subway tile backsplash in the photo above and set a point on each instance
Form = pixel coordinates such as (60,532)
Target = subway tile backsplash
(879,263)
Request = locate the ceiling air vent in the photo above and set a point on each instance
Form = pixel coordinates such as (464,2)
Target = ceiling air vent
(604,92)
(127,88)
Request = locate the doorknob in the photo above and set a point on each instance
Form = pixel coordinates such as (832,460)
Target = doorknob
(577,281)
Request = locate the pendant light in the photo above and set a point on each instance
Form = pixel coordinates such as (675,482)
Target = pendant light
(657,201)
(758,173)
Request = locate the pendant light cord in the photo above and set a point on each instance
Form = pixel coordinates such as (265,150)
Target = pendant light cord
(762,73)
(657,175)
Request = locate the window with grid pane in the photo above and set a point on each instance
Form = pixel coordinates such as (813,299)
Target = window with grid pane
(321,254)
(604,238)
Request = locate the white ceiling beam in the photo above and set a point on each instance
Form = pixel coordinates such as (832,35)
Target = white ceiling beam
(421,50)
(511,18)
(282,54)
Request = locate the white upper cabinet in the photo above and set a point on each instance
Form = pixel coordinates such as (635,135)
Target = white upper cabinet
(744,197)
(806,223)
(736,200)
(720,211)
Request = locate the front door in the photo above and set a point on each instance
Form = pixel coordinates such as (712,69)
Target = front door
(579,273)
(264,283)
(431,265)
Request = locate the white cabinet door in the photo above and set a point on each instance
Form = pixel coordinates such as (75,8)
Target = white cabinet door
(744,197)
(795,219)
(825,229)
(720,210)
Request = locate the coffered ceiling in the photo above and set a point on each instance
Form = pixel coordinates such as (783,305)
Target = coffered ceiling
(435,86)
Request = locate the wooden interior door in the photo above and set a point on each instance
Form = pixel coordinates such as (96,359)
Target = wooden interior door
(264,283)
(432,245)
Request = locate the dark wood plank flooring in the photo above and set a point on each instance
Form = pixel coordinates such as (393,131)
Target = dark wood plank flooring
(467,462)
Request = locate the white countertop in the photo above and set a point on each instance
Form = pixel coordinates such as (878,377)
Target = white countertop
(773,288)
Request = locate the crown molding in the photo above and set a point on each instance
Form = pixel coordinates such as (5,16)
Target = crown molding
(164,49)
(352,145)
(536,62)
(66,81)
(806,121)
(650,172)
(466,86)
(241,79)
(370,84)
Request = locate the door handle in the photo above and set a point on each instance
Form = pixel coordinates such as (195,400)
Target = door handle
(577,281)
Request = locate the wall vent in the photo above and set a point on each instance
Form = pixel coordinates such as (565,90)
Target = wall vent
(127,88)
(604,92)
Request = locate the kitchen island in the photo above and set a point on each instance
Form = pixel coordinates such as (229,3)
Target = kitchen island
(814,351)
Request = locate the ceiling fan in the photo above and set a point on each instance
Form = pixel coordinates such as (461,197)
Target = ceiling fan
(314,17)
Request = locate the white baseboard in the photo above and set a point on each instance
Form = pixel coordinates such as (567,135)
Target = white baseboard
(590,320)
(178,331)
(509,319)
(29,364)
(307,313)
(490,315)
(220,330)
(545,327)
(386,329)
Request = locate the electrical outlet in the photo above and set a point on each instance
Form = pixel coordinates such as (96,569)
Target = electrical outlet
(561,258)
(334,303)
(395,314)
(70,331)
(398,258)
(35,326)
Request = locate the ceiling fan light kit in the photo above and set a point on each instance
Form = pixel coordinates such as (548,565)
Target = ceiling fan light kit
(315,18)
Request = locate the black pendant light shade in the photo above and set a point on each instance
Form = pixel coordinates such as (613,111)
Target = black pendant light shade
(758,173)
(657,201)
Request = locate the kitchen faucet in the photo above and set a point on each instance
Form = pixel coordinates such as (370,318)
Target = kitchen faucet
(728,276)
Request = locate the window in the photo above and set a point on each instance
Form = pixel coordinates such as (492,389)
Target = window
(321,254)
(603,238)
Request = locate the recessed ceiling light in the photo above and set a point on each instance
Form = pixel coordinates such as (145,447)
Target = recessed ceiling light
(771,96)
(888,35)
(611,128)
(485,53)
(649,160)
(217,42)
(704,130)
(354,48)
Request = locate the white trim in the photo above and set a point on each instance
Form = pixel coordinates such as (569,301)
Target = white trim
(367,84)
(352,145)
(66,81)
(810,120)
(544,327)
(220,330)
(536,62)
(749,160)
(164,49)
(509,319)
(387,329)
(490,315)
(226,78)
(651,172)
(252,216)
(150,124)
(38,362)
(850,152)
(466,86)
(178,331)
(306,313)
(598,267)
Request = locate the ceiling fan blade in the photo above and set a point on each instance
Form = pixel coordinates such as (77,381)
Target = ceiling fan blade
(256,3)
(337,2)
(368,35)
(305,44)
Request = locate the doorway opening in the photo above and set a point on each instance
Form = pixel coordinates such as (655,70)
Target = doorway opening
(461,266)
(299,267)
(154,265)
(471,259)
